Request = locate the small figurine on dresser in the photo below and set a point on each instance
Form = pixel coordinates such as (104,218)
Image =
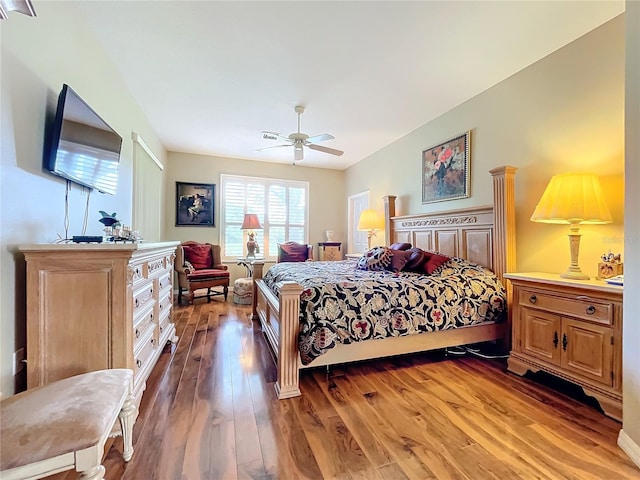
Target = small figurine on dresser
(610,266)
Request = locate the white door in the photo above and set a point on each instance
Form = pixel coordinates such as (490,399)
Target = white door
(357,239)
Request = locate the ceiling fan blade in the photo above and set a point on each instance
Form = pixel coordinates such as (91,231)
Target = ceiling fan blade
(320,148)
(298,154)
(272,146)
(320,138)
(273,136)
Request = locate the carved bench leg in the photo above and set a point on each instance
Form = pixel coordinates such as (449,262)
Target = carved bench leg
(127,418)
(94,473)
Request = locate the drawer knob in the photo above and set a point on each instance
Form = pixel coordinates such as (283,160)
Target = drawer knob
(137,303)
(533,299)
(564,342)
(138,363)
(591,310)
(137,333)
(153,342)
(555,339)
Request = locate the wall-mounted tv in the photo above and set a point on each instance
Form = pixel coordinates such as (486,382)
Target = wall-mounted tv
(82,147)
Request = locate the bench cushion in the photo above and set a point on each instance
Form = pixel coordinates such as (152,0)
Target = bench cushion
(65,416)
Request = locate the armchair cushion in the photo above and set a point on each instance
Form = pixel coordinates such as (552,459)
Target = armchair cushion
(198,255)
(207,273)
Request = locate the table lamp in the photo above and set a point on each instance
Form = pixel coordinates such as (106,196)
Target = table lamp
(251,223)
(574,199)
(370,221)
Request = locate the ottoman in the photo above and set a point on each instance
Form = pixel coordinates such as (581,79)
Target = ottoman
(243,291)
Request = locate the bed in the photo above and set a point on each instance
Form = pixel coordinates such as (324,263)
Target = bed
(483,236)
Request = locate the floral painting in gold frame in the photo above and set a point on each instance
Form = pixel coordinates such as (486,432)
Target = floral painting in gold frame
(445,170)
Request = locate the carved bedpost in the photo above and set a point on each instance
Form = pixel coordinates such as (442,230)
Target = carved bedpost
(288,382)
(257,275)
(504,230)
(389,212)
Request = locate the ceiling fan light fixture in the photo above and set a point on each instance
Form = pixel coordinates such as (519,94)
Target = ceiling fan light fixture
(299,140)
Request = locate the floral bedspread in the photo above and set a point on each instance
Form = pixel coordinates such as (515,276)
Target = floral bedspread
(340,304)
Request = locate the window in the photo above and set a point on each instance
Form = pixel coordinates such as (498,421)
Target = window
(281,206)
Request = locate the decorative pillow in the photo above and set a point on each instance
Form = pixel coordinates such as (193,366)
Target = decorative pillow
(290,252)
(378,258)
(434,261)
(400,246)
(188,267)
(416,259)
(199,255)
(399,259)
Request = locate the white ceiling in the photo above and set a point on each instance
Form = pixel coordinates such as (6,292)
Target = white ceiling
(211,76)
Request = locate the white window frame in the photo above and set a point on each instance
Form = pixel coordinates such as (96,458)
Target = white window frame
(267,182)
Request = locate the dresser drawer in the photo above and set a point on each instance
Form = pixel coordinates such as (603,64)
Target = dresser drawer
(594,310)
(164,281)
(164,305)
(141,336)
(142,297)
(144,355)
(142,322)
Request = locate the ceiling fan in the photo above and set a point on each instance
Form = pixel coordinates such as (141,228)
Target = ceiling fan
(300,140)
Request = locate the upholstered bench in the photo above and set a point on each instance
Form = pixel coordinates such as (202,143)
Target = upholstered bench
(243,291)
(65,425)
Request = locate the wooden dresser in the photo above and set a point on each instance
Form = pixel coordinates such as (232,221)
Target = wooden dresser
(97,306)
(572,329)
(329,251)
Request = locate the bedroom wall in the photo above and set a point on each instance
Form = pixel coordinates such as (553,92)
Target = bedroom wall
(39,55)
(630,438)
(326,195)
(563,113)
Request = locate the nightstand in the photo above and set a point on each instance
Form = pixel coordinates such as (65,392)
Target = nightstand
(571,329)
(329,251)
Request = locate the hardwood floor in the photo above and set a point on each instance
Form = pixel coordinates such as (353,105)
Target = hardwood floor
(210,412)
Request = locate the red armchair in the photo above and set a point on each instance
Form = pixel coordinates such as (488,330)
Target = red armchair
(199,266)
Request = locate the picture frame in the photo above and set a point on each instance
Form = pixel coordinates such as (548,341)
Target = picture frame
(446,170)
(195,204)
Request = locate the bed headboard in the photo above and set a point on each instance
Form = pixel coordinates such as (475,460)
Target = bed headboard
(485,235)
(466,234)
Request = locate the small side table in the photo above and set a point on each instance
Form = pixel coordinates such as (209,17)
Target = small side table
(329,251)
(247,263)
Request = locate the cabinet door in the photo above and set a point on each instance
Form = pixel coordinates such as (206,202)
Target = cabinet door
(587,350)
(541,335)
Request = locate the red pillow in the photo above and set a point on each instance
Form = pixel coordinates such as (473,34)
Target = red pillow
(294,253)
(434,261)
(198,255)
(399,259)
(400,246)
(416,258)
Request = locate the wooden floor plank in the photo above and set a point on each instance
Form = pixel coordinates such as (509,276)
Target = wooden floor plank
(210,413)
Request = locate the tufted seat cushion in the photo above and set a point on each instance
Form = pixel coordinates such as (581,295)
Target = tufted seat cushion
(68,415)
(207,273)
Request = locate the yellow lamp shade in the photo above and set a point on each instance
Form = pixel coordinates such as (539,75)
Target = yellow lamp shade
(370,220)
(572,198)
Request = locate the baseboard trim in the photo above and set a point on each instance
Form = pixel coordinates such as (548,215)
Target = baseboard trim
(629,447)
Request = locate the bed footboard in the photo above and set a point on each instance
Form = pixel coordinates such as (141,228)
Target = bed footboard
(279,319)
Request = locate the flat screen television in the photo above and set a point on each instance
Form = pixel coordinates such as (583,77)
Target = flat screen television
(82,147)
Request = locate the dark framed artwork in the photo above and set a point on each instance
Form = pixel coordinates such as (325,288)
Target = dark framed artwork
(195,204)
(445,170)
